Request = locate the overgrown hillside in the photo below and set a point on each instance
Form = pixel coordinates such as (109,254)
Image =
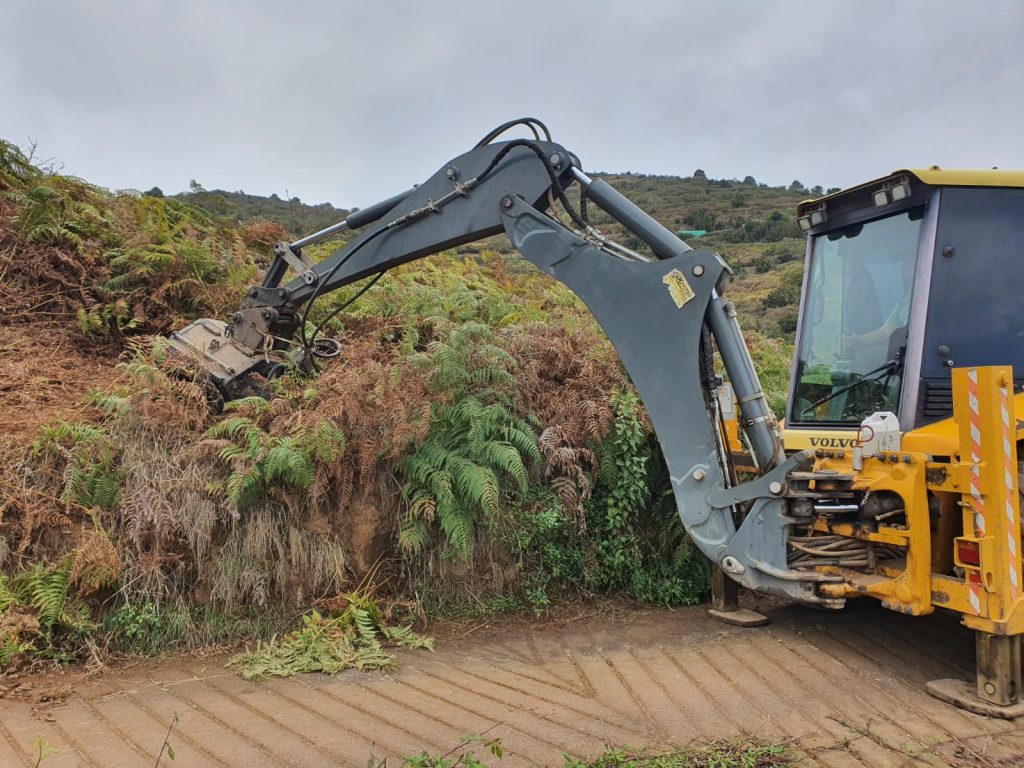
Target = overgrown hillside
(477,447)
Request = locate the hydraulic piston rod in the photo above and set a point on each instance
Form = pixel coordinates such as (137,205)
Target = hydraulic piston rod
(664,244)
(355,220)
(758,421)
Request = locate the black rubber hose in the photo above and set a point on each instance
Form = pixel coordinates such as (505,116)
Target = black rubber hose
(346,305)
(556,185)
(306,342)
(530,122)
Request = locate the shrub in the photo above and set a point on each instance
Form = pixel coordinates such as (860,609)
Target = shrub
(702,218)
(641,546)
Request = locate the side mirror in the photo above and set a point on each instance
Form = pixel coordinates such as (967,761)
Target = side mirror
(897,345)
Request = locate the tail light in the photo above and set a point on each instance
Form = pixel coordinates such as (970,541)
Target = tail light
(968,552)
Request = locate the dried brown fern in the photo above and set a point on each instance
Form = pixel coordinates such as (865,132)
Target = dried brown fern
(95,563)
(566,377)
(568,470)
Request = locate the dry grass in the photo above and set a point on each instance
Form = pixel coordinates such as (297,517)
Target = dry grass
(43,376)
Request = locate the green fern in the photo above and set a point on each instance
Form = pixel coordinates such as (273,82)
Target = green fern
(197,260)
(93,485)
(261,461)
(47,592)
(325,444)
(457,472)
(352,638)
(258,405)
(232,427)
(139,266)
(245,486)
(7,596)
(142,370)
(70,432)
(52,622)
(60,211)
(287,463)
(364,622)
(50,593)
(16,170)
(101,320)
(467,362)
(92,477)
(119,284)
(405,637)
(473,444)
(413,535)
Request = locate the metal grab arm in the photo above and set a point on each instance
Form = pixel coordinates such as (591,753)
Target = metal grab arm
(450,209)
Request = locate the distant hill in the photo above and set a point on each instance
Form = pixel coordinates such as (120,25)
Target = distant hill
(297,217)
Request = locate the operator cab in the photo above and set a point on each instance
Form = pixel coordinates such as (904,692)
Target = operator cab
(905,278)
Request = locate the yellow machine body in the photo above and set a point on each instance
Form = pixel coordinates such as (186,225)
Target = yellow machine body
(966,467)
(953,539)
(957,476)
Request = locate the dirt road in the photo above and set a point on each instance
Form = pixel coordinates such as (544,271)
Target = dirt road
(842,690)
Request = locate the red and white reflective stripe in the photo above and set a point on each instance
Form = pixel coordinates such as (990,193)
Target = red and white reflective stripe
(974,590)
(977,500)
(1009,473)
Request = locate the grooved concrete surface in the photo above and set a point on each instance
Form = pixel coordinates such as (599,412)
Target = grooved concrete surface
(842,690)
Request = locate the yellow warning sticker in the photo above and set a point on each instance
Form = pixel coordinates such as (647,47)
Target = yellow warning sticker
(678,288)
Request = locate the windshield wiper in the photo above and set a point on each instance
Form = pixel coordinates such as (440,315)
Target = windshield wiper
(886,369)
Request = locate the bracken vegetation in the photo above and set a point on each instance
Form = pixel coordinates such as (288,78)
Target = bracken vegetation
(478,445)
(353,637)
(721,754)
(478,752)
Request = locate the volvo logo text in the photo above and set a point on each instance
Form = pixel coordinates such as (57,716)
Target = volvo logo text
(833,442)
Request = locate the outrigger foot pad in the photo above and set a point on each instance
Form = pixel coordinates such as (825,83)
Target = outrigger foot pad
(739,617)
(962,694)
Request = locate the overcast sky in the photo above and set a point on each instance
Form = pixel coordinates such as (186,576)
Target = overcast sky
(349,102)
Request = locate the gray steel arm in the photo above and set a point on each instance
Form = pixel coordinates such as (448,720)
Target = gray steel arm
(652,311)
(658,342)
(448,219)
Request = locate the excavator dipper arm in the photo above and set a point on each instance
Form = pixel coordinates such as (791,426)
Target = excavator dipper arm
(652,310)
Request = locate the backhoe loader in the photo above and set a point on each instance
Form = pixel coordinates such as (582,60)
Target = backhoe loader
(895,472)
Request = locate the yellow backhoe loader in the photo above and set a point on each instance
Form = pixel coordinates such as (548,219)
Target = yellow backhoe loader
(894,474)
(903,386)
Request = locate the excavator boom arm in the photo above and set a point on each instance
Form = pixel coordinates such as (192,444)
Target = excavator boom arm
(652,310)
(454,207)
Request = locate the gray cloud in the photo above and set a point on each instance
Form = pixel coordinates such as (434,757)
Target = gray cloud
(350,102)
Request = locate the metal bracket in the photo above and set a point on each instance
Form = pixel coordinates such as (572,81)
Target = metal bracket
(771,484)
(298,261)
(251,326)
(264,296)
